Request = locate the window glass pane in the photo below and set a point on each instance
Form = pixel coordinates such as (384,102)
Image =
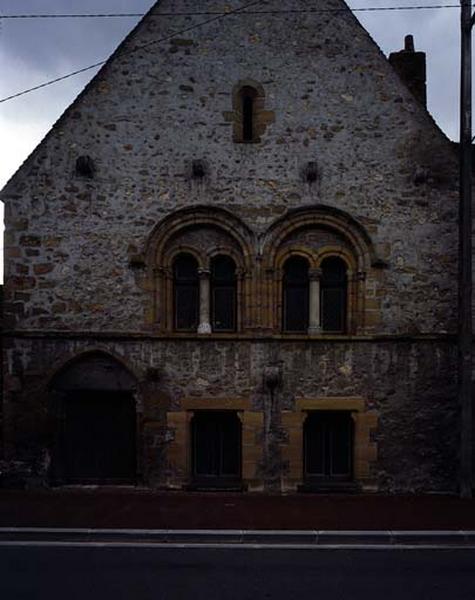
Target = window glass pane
(333,309)
(223,269)
(216,445)
(340,446)
(296,308)
(223,294)
(296,290)
(333,288)
(185,267)
(333,270)
(186,307)
(247,118)
(186,292)
(248,96)
(314,439)
(328,445)
(224,308)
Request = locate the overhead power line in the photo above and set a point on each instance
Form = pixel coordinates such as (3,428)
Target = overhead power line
(241,12)
(135,49)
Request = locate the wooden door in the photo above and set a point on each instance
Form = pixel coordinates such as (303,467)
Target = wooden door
(98,437)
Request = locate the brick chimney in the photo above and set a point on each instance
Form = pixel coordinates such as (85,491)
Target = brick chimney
(411,68)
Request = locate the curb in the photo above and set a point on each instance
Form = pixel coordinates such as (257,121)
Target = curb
(308,538)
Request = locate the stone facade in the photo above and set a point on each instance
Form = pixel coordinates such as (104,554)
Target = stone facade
(150,162)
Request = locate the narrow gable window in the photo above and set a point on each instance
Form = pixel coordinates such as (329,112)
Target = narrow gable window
(248,101)
(249,117)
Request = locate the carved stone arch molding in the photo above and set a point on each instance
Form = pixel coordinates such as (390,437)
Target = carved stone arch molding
(202,232)
(317,233)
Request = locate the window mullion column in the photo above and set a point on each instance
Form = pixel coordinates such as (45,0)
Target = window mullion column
(205,325)
(314,324)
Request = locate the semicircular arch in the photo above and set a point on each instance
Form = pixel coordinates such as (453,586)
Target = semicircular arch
(194,216)
(314,217)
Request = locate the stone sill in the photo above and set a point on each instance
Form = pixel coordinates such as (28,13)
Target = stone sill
(216,337)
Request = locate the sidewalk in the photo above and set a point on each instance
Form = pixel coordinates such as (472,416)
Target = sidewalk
(125,508)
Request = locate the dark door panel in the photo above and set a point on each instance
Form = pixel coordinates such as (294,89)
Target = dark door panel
(98,437)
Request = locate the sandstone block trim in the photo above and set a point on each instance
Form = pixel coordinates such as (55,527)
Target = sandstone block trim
(365,451)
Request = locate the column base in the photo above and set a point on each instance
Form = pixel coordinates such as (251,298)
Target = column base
(204,328)
(314,330)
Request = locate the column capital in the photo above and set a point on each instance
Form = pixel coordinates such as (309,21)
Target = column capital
(162,272)
(315,274)
(204,273)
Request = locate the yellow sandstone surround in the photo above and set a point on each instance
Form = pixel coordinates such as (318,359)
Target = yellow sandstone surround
(365,451)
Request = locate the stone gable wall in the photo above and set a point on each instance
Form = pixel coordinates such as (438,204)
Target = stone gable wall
(151,113)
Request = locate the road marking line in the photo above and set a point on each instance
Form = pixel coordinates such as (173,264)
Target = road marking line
(235,546)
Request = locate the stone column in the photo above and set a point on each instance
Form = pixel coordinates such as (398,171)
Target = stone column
(314,325)
(204,326)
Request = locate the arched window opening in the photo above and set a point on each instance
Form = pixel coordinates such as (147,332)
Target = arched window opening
(248,101)
(223,294)
(186,293)
(296,295)
(333,295)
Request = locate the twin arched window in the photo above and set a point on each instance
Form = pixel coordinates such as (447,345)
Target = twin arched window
(315,300)
(204,300)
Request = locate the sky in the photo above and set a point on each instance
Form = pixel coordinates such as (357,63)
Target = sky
(34,51)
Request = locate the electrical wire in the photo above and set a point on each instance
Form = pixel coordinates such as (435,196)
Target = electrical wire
(260,12)
(135,49)
(216,16)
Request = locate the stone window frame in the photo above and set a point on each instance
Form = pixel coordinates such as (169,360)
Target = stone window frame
(363,312)
(204,273)
(162,251)
(179,450)
(365,450)
(314,260)
(261,116)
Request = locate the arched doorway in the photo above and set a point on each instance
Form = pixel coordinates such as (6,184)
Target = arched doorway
(93,400)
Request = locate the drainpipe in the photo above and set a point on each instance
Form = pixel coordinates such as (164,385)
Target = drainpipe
(465,254)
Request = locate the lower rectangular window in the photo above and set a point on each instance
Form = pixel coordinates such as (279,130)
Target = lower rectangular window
(328,446)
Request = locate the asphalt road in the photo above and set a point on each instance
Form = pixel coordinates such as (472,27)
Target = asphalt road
(227,574)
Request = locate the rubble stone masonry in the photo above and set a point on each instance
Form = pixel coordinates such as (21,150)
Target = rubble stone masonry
(88,251)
